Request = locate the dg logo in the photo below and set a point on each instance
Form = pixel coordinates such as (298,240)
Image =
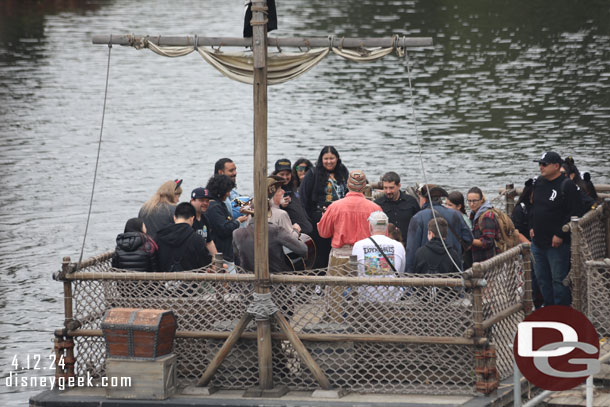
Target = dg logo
(556,348)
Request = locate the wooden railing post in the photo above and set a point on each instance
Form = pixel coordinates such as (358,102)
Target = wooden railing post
(607,225)
(69,323)
(510,194)
(484,355)
(528,303)
(576,270)
(477,301)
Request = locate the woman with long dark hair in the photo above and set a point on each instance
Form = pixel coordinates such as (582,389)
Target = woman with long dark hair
(455,200)
(300,168)
(321,186)
(585,186)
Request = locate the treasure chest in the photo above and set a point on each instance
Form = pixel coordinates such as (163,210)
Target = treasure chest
(138,333)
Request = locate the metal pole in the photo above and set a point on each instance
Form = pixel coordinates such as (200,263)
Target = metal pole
(533,402)
(590,388)
(516,385)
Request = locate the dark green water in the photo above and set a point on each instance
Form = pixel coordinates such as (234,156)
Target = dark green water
(503,82)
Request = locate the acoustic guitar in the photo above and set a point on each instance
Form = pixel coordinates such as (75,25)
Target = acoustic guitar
(298,263)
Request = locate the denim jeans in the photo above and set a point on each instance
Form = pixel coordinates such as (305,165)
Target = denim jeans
(551,267)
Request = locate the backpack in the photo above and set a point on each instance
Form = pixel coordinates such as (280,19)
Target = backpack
(507,236)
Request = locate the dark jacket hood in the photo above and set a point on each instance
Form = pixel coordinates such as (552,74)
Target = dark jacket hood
(175,235)
(130,241)
(436,246)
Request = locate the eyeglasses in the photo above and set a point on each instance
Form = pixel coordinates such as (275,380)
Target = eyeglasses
(542,164)
(301,168)
(472,200)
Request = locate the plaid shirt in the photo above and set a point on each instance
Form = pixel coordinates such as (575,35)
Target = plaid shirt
(485,228)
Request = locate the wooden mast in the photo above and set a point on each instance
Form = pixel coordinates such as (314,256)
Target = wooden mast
(261,244)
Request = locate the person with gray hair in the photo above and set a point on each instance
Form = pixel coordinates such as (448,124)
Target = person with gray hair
(379,256)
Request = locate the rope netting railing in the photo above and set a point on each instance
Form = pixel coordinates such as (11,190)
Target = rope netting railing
(374,335)
(415,334)
(504,300)
(590,267)
(588,242)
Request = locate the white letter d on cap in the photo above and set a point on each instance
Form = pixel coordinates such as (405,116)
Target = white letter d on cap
(525,342)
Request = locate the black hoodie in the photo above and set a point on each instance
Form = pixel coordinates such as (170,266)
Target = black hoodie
(181,248)
(433,259)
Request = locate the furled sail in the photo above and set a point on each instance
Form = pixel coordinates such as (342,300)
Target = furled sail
(282,66)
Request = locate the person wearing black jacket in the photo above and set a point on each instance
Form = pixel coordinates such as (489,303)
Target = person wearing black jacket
(180,247)
(399,206)
(135,250)
(521,219)
(323,185)
(555,200)
(432,258)
(221,221)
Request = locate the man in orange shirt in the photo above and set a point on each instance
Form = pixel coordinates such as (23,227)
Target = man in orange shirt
(346,220)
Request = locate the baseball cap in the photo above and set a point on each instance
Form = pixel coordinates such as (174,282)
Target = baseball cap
(378,218)
(282,164)
(200,193)
(550,157)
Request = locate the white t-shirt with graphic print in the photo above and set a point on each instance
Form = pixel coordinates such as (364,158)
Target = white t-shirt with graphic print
(371,263)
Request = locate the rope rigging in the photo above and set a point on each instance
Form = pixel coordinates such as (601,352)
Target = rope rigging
(421,160)
(99,147)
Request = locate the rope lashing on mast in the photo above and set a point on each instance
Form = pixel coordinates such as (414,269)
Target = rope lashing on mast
(282,66)
(264,10)
(97,160)
(262,306)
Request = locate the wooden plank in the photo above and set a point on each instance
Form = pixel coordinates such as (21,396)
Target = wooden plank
(224,350)
(282,279)
(306,358)
(501,316)
(265,367)
(317,337)
(306,42)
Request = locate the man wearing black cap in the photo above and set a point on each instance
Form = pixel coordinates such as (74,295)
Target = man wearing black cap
(459,237)
(200,199)
(555,200)
(293,207)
